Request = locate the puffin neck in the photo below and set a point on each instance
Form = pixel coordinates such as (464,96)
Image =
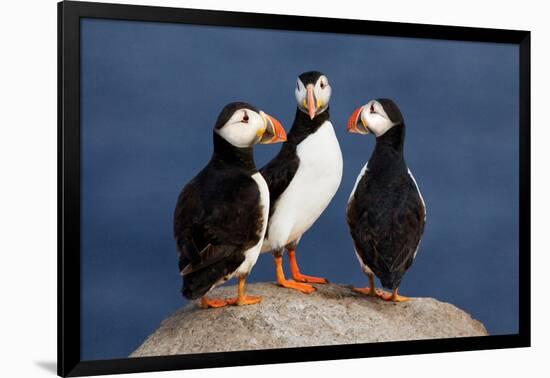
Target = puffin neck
(229,154)
(389,149)
(304,126)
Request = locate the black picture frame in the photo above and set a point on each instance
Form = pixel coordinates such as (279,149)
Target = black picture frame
(69,15)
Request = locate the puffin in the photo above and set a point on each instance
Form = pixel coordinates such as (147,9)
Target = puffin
(386,213)
(302,178)
(221,215)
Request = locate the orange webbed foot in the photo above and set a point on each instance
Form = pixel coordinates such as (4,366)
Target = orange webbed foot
(301,287)
(295,271)
(393,297)
(212,302)
(244,300)
(289,284)
(309,279)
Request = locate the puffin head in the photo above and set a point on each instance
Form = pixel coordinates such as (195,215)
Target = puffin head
(376,116)
(243,125)
(312,93)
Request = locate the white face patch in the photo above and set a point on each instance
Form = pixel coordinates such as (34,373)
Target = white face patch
(243,129)
(376,119)
(300,93)
(321,90)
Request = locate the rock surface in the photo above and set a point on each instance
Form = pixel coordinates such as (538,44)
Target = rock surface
(334,314)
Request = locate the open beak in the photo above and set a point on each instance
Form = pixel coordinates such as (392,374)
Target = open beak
(311,103)
(353,126)
(273,131)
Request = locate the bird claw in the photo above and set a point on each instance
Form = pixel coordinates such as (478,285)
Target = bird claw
(212,303)
(309,279)
(244,300)
(391,297)
(301,287)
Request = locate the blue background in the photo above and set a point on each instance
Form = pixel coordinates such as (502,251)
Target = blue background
(151,92)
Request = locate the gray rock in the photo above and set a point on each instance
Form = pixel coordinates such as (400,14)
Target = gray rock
(334,314)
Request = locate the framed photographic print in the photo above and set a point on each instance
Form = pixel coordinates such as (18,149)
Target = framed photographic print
(239,188)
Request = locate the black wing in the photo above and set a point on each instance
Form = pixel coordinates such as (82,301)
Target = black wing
(218,217)
(279,172)
(387,232)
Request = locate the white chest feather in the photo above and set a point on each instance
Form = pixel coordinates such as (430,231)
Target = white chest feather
(419,194)
(251,255)
(358,179)
(311,189)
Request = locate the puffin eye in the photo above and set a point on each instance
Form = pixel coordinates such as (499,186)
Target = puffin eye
(297,85)
(372,108)
(245,118)
(323,84)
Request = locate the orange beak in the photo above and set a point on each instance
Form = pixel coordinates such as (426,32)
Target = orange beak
(311,103)
(352,126)
(274,131)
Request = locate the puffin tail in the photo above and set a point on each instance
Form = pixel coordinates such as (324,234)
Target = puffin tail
(216,267)
(391,280)
(195,285)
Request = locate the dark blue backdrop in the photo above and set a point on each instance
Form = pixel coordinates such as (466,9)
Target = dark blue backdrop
(150,94)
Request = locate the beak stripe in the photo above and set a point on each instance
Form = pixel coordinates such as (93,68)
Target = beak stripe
(352,122)
(311,101)
(274,131)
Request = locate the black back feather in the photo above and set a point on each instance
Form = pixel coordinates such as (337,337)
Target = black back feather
(218,217)
(386,216)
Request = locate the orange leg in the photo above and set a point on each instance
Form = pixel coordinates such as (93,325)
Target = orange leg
(282,281)
(371,290)
(243,299)
(393,297)
(297,276)
(213,303)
